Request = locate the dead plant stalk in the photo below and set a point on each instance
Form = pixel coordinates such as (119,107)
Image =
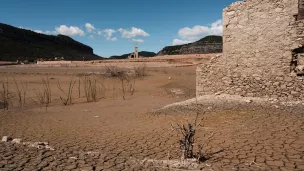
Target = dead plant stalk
(21,93)
(5,94)
(187,134)
(127,84)
(44,97)
(94,90)
(67,100)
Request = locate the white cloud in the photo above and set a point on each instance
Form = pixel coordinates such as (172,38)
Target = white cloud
(90,28)
(41,32)
(99,33)
(195,33)
(38,31)
(50,32)
(70,31)
(112,39)
(138,40)
(180,42)
(91,37)
(134,32)
(108,34)
(26,28)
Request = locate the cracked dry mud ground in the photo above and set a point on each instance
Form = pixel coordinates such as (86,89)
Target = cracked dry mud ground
(247,138)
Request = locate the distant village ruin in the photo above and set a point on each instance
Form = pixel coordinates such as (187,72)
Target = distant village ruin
(263,54)
(135,54)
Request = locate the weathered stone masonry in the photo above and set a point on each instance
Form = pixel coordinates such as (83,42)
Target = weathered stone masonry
(259,40)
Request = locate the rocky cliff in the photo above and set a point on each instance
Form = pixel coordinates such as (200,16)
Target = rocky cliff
(209,44)
(22,44)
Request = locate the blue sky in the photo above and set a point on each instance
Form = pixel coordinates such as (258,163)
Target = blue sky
(113,27)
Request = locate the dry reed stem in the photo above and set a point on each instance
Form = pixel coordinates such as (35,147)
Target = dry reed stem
(5,95)
(67,100)
(44,96)
(21,93)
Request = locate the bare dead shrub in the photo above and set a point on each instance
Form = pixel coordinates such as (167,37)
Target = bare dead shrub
(79,92)
(5,95)
(67,99)
(140,71)
(21,93)
(164,71)
(94,89)
(44,96)
(123,80)
(113,70)
(65,65)
(187,134)
(113,91)
(154,69)
(127,84)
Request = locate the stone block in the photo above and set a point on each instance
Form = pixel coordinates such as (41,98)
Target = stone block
(6,139)
(16,140)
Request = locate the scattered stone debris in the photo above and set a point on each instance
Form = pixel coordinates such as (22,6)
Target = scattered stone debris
(176,91)
(74,158)
(92,152)
(17,141)
(248,101)
(272,100)
(38,145)
(218,93)
(291,103)
(189,164)
(6,139)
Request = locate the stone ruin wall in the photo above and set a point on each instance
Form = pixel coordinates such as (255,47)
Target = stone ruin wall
(258,39)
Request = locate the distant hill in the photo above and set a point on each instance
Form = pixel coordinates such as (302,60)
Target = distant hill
(22,44)
(142,53)
(209,44)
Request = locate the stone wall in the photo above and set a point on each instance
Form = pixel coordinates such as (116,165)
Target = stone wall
(258,39)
